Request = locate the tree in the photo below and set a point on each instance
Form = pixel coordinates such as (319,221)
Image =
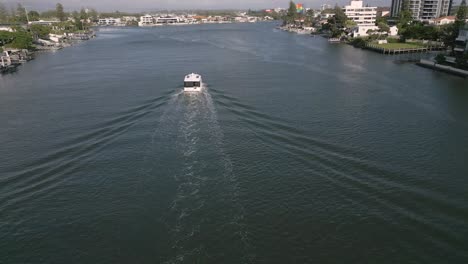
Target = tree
(462,12)
(20,39)
(93,14)
(350,23)
(33,16)
(83,14)
(337,24)
(77,20)
(462,61)
(449,33)
(40,31)
(6,37)
(21,14)
(59,13)
(3,13)
(291,15)
(383,27)
(381,19)
(404,18)
(440,58)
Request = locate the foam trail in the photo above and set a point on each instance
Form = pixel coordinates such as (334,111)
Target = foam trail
(205,181)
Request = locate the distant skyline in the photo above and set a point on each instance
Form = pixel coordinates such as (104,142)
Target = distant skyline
(148,5)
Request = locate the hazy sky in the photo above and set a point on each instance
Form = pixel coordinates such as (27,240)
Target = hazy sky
(142,5)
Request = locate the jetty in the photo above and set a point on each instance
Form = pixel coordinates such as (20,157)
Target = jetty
(394,51)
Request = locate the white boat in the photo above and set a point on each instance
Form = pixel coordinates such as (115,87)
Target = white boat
(193,83)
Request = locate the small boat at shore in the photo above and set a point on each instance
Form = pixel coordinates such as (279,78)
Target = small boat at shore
(193,83)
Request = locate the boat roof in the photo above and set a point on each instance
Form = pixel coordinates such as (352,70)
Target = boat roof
(193,77)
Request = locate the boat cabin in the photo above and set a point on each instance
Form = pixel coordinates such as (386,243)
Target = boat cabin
(193,81)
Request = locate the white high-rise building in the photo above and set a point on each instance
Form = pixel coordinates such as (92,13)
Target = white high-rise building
(362,15)
(423,10)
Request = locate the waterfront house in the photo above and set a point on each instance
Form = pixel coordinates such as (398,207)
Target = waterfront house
(164,20)
(442,20)
(110,21)
(146,20)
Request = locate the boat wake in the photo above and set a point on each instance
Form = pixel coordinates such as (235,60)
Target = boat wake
(205,210)
(368,185)
(41,177)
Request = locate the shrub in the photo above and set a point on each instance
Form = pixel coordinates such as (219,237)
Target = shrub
(462,61)
(393,40)
(440,59)
(358,43)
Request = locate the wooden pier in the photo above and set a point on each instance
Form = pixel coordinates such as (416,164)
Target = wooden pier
(388,51)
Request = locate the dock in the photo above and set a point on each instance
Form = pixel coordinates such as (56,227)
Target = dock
(382,50)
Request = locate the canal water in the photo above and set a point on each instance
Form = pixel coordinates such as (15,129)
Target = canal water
(299,151)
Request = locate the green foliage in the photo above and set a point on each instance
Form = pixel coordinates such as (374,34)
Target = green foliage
(350,23)
(462,11)
(291,15)
(6,37)
(93,14)
(40,30)
(49,14)
(448,34)
(418,30)
(381,19)
(337,24)
(4,17)
(393,40)
(20,39)
(461,61)
(21,14)
(404,18)
(383,27)
(59,13)
(359,43)
(34,16)
(440,59)
(83,14)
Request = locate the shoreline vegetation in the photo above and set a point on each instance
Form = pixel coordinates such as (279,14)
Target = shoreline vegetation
(23,34)
(397,35)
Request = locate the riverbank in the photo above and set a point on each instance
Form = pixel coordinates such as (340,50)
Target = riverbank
(12,58)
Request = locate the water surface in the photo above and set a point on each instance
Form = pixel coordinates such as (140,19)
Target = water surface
(298,152)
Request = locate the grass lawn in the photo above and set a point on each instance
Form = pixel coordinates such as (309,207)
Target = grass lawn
(400,45)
